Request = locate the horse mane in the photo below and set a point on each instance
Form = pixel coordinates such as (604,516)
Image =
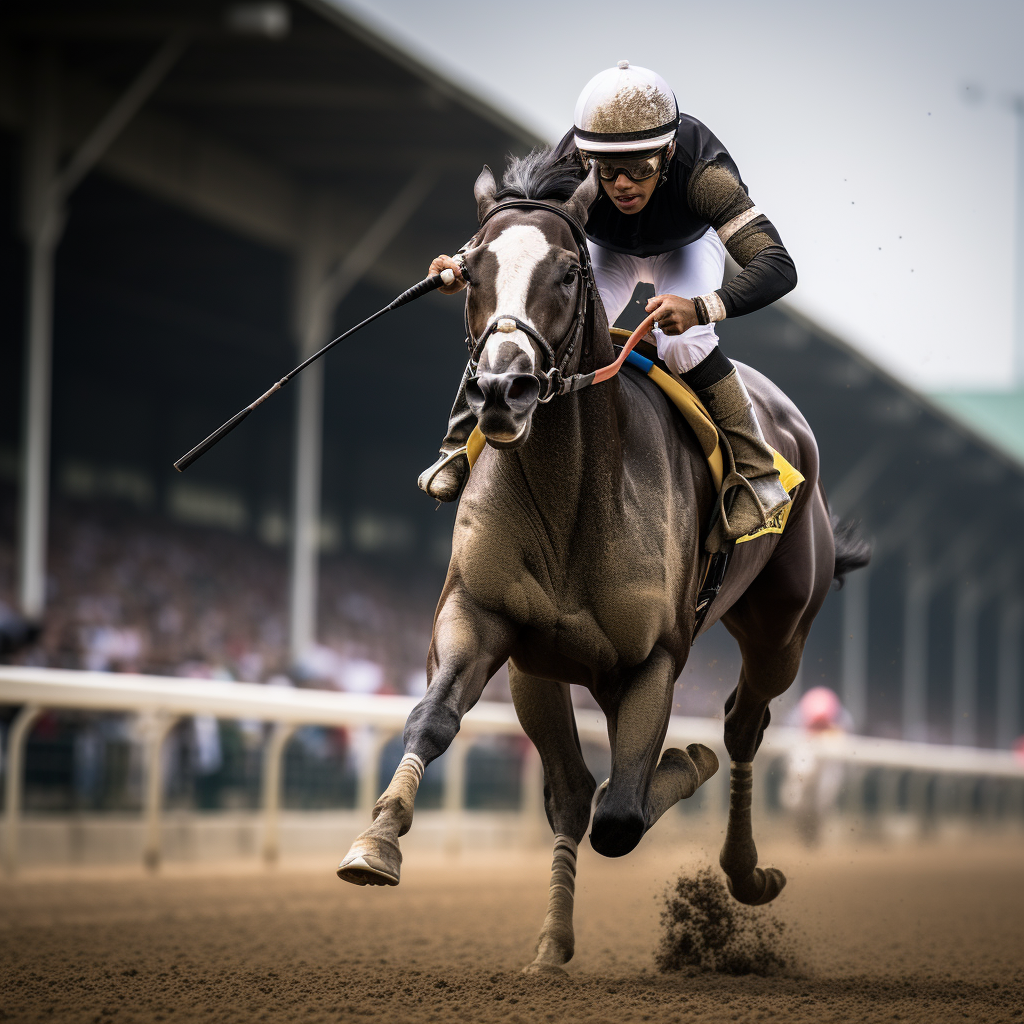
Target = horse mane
(539,175)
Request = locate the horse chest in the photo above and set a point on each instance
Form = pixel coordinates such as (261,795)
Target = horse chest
(595,606)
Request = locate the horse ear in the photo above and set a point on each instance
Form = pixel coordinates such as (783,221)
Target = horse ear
(578,207)
(484,190)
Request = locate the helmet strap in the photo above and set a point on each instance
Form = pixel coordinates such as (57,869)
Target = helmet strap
(666,160)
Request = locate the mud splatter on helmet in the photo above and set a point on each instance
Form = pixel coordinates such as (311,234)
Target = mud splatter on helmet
(625,109)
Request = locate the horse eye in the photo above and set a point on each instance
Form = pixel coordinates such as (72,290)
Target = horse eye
(570,276)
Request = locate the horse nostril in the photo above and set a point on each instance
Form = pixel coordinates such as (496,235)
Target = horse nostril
(521,392)
(474,393)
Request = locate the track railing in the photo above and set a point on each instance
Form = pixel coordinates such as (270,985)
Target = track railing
(162,702)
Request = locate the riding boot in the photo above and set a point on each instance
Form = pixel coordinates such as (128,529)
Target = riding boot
(444,479)
(757,492)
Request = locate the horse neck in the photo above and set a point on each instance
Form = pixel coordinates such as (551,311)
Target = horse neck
(574,454)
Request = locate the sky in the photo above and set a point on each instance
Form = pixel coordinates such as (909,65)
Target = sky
(853,126)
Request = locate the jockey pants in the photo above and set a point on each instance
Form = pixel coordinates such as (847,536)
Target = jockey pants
(695,269)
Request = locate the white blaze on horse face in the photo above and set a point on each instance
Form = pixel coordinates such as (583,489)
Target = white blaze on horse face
(519,249)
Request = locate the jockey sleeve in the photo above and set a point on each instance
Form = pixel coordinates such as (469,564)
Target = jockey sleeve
(703,188)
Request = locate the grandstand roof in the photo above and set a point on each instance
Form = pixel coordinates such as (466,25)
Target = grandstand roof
(249,120)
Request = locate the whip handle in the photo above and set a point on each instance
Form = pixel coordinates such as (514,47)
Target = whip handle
(204,446)
(428,284)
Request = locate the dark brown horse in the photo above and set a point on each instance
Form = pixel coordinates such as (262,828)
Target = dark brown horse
(578,556)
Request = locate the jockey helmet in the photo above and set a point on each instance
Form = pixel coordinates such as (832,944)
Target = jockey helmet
(625,109)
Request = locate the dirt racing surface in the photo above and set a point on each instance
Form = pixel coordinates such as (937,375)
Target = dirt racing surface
(910,934)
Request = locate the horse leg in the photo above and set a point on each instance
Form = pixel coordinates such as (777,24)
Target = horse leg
(545,712)
(640,789)
(771,622)
(680,773)
(745,720)
(466,650)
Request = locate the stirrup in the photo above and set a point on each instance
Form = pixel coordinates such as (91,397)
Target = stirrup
(429,475)
(723,530)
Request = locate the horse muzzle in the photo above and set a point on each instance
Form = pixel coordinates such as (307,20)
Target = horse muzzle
(503,404)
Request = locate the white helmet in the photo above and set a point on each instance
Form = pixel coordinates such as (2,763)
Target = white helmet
(625,109)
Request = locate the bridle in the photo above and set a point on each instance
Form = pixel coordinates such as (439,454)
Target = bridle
(552,382)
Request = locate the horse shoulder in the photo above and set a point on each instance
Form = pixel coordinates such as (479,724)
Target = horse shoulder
(500,554)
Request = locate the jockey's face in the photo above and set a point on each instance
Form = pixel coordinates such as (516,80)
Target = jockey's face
(632,196)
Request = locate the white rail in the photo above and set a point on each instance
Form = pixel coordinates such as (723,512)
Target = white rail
(166,700)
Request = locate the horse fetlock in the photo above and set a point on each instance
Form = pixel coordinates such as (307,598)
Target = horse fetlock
(705,760)
(394,809)
(556,946)
(738,857)
(757,888)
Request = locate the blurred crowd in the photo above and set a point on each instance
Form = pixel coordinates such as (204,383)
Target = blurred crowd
(134,593)
(127,592)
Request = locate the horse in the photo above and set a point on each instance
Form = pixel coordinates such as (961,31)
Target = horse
(578,555)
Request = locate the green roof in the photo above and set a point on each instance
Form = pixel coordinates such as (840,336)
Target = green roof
(996,415)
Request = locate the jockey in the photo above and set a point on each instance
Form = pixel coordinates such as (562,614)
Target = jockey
(672,203)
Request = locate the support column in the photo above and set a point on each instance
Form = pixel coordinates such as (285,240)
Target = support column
(321,284)
(17,741)
(157,728)
(305,582)
(45,189)
(1008,675)
(856,607)
(965,665)
(42,223)
(273,755)
(916,602)
(312,322)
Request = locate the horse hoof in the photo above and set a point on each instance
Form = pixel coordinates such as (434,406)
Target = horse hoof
(546,970)
(759,887)
(371,861)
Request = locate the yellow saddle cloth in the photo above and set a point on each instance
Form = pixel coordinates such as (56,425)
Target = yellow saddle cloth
(693,411)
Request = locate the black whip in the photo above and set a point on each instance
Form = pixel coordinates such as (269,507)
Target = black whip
(428,284)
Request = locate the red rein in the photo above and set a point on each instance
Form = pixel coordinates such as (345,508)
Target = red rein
(613,368)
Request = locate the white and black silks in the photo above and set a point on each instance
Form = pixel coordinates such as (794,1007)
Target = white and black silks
(703,189)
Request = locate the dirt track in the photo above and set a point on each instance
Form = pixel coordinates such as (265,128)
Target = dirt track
(925,934)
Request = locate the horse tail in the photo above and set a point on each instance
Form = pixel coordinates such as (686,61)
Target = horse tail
(852,550)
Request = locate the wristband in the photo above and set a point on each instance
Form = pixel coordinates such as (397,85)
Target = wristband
(709,308)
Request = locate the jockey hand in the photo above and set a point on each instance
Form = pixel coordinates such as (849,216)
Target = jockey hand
(675,314)
(447,263)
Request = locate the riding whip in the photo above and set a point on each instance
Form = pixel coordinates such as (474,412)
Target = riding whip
(428,284)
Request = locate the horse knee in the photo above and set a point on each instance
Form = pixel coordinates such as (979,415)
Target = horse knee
(430,729)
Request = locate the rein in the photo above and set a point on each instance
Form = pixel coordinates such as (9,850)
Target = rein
(553,383)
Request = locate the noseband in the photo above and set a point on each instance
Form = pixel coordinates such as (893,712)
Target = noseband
(552,382)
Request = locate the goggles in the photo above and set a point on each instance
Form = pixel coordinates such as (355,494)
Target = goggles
(636,167)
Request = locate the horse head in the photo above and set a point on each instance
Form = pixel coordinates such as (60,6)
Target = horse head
(525,305)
